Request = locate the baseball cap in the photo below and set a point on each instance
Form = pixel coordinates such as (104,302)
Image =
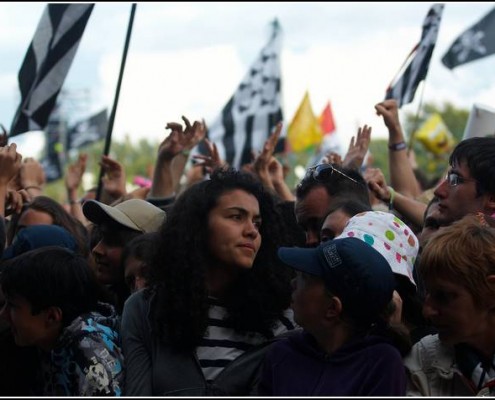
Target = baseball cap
(135,214)
(390,236)
(35,236)
(352,270)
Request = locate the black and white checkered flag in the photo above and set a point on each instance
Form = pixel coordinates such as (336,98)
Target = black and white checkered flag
(47,63)
(404,88)
(250,115)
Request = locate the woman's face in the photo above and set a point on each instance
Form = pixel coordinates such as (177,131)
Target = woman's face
(233,229)
(452,310)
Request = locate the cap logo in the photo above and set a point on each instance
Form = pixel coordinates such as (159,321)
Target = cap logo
(332,256)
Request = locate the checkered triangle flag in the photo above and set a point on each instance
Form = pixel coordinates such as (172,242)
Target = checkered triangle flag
(476,42)
(47,63)
(252,112)
(404,88)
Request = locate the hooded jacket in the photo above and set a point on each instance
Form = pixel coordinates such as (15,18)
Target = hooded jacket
(367,366)
(87,359)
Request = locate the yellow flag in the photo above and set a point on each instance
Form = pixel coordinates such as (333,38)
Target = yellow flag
(304,130)
(435,136)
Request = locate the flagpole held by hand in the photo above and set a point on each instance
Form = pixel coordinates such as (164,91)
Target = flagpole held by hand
(108,138)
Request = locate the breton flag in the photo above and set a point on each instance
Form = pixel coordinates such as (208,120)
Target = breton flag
(476,42)
(47,63)
(254,110)
(404,88)
(88,131)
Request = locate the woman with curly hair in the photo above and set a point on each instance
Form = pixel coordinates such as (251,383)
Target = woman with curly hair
(217,296)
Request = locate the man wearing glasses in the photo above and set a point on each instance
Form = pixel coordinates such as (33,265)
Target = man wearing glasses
(469,186)
(319,189)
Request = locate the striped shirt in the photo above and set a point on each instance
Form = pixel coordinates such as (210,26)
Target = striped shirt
(222,344)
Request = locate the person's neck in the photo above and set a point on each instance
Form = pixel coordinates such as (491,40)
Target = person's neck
(218,279)
(485,344)
(330,340)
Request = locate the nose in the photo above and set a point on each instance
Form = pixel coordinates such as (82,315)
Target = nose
(99,249)
(293,283)
(442,189)
(428,308)
(312,238)
(251,229)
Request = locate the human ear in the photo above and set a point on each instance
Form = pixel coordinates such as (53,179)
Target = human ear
(490,203)
(334,308)
(53,315)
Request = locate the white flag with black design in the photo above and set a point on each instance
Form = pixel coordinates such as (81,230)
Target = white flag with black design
(404,88)
(476,42)
(253,111)
(47,63)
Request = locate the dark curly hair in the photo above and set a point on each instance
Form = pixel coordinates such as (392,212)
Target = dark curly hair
(179,309)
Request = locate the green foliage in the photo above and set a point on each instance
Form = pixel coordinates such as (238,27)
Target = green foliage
(137,159)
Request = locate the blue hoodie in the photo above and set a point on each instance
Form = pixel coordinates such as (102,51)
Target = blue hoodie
(367,366)
(87,359)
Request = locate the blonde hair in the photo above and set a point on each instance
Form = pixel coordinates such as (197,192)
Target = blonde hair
(463,252)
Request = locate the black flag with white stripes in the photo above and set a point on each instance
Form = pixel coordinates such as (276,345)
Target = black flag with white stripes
(476,42)
(251,114)
(404,88)
(47,63)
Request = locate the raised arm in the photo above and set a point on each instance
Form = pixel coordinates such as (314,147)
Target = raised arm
(73,179)
(358,148)
(10,164)
(402,176)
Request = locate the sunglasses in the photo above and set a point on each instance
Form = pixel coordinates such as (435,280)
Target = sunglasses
(454,179)
(324,172)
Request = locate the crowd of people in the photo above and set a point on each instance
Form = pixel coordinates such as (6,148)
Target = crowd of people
(224,282)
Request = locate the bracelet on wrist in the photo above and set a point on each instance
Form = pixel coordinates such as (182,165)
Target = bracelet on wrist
(391,199)
(32,187)
(397,146)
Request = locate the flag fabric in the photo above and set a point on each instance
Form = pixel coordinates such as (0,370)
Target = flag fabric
(435,136)
(404,88)
(47,63)
(481,122)
(254,110)
(476,42)
(327,122)
(51,162)
(88,131)
(304,131)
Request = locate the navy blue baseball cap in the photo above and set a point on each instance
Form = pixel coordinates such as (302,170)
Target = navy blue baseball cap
(352,270)
(35,236)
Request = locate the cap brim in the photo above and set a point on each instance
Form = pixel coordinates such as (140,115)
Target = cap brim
(100,213)
(302,259)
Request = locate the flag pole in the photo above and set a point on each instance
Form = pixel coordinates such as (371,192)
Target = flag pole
(108,138)
(416,119)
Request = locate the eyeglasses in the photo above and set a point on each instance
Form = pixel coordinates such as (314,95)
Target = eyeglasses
(323,172)
(453,178)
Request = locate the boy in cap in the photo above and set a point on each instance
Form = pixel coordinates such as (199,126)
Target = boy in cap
(118,225)
(341,297)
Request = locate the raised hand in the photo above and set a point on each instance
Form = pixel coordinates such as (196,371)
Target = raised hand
(389,111)
(193,134)
(212,161)
(358,148)
(10,163)
(75,172)
(114,178)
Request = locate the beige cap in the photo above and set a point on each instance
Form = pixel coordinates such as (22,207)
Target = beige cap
(136,214)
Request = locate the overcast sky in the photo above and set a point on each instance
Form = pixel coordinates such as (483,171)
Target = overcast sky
(188,58)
